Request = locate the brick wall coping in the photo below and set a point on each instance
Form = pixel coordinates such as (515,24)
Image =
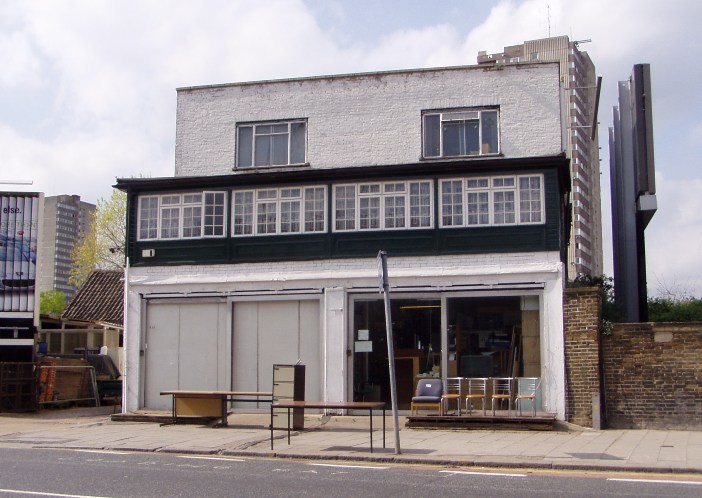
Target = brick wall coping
(678,327)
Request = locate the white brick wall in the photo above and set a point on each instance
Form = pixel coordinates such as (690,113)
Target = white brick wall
(369,119)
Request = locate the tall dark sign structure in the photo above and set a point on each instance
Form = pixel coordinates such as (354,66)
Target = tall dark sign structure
(633,187)
(19,233)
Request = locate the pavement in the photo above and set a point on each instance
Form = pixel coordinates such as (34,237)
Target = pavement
(347,438)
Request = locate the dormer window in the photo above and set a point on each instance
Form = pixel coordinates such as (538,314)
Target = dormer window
(279,143)
(464,133)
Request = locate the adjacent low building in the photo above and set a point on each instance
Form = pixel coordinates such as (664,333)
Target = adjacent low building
(262,248)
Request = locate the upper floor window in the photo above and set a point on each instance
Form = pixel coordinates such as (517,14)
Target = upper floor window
(501,200)
(274,211)
(271,144)
(461,133)
(181,216)
(383,206)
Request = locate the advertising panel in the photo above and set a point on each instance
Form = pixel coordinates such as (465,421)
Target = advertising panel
(19,233)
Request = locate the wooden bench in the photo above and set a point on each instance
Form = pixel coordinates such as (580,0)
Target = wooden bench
(331,405)
(210,404)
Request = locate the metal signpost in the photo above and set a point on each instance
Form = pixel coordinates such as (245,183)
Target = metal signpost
(384,287)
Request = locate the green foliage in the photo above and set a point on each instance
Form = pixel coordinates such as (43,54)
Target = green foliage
(52,302)
(610,312)
(103,245)
(671,310)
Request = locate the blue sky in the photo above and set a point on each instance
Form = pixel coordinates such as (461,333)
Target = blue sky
(87,87)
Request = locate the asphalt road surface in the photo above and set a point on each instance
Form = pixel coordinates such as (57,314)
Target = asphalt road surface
(68,473)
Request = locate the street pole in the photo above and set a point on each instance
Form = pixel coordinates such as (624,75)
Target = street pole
(385,289)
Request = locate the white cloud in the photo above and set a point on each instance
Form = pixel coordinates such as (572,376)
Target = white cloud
(88,86)
(674,236)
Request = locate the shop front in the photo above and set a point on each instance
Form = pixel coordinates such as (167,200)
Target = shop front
(440,336)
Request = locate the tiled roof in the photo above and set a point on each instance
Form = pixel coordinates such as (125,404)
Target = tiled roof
(100,299)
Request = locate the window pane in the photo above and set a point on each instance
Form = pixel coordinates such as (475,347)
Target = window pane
(148,218)
(192,222)
(488,121)
(290,217)
(214,214)
(265,217)
(243,213)
(245,147)
(394,212)
(420,204)
(452,203)
(263,150)
(170,223)
(280,149)
(345,207)
(369,213)
(314,209)
(297,143)
(432,141)
(504,208)
(452,139)
(471,138)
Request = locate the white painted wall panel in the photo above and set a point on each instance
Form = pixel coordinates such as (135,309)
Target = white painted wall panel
(369,119)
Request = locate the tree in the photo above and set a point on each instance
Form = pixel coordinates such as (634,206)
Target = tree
(52,302)
(103,246)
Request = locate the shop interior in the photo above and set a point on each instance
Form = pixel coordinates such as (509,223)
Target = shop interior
(485,337)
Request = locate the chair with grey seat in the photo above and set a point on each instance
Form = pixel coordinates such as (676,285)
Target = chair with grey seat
(428,396)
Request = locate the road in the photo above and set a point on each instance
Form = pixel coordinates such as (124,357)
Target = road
(72,473)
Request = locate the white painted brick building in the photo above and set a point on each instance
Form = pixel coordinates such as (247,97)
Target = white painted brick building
(262,248)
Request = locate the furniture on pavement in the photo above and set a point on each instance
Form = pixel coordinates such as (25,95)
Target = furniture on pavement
(210,404)
(453,390)
(502,390)
(477,390)
(527,387)
(330,405)
(428,395)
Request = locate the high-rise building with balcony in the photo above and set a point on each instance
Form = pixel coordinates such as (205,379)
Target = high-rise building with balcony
(65,222)
(580,85)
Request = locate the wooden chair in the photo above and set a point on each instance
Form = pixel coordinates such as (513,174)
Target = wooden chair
(453,390)
(477,390)
(502,390)
(428,396)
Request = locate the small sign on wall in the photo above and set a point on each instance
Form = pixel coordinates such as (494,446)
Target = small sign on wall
(363,347)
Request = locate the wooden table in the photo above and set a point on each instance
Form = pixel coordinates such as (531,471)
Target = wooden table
(211,403)
(331,405)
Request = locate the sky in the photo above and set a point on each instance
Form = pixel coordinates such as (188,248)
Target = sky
(88,87)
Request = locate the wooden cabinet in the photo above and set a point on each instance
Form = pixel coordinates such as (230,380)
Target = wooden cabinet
(288,385)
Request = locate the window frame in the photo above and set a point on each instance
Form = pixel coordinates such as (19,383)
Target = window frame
(171,208)
(274,198)
(250,148)
(497,186)
(368,198)
(453,116)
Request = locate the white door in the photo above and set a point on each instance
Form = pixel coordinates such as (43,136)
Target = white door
(186,347)
(275,332)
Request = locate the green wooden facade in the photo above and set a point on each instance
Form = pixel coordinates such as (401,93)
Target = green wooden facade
(552,235)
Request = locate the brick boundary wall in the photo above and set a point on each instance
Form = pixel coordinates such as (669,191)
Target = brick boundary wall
(653,376)
(581,316)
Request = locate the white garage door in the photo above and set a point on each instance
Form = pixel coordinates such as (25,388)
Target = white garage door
(186,347)
(276,332)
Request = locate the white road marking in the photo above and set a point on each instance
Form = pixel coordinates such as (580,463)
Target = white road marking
(104,452)
(347,466)
(222,459)
(657,481)
(40,493)
(494,474)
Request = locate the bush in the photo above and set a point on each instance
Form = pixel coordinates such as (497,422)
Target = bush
(671,310)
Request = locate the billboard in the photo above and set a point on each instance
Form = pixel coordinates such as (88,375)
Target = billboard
(19,233)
